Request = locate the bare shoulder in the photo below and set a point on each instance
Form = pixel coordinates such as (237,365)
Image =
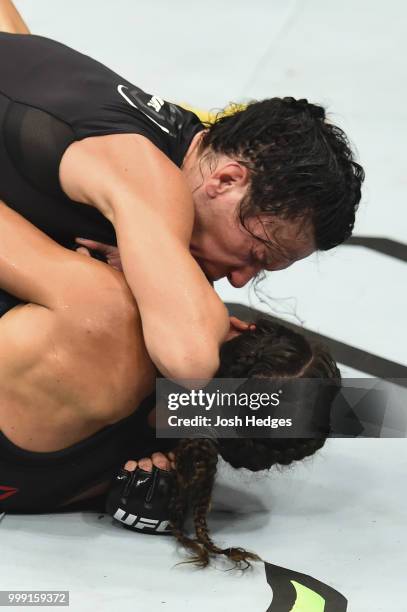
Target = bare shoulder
(25,331)
(102,169)
(87,359)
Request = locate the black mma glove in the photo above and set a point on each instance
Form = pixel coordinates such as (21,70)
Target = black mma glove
(140,499)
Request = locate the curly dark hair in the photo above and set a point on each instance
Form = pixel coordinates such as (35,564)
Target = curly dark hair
(301,165)
(271,350)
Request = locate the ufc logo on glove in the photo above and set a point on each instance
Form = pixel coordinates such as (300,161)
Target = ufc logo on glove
(140,500)
(141,523)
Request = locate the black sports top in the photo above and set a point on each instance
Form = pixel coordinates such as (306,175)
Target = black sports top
(41,482)
(51,96)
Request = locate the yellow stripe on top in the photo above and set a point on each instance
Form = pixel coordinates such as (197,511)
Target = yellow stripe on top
(207,116)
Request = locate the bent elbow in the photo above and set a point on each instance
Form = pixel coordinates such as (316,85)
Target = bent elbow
(192,369)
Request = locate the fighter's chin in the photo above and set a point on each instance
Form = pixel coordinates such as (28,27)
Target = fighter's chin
(210,271)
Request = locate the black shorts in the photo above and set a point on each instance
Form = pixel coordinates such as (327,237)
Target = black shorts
(41,482)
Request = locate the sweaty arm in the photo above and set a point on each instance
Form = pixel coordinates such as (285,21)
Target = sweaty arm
(36,269)
(11,20)
(145,196)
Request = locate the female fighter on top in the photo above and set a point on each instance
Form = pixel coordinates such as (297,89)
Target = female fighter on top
(31,175)
(84,152)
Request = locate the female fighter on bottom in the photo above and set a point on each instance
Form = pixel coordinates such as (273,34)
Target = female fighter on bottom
(74,369)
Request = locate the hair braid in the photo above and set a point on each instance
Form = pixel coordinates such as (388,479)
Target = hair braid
(271,351)
(196,462)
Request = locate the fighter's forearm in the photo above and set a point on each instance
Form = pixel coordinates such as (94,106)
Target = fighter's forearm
(11,20)
(184,321)
(36,269)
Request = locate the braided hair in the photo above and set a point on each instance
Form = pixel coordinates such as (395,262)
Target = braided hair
(300,164)
(271,350)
